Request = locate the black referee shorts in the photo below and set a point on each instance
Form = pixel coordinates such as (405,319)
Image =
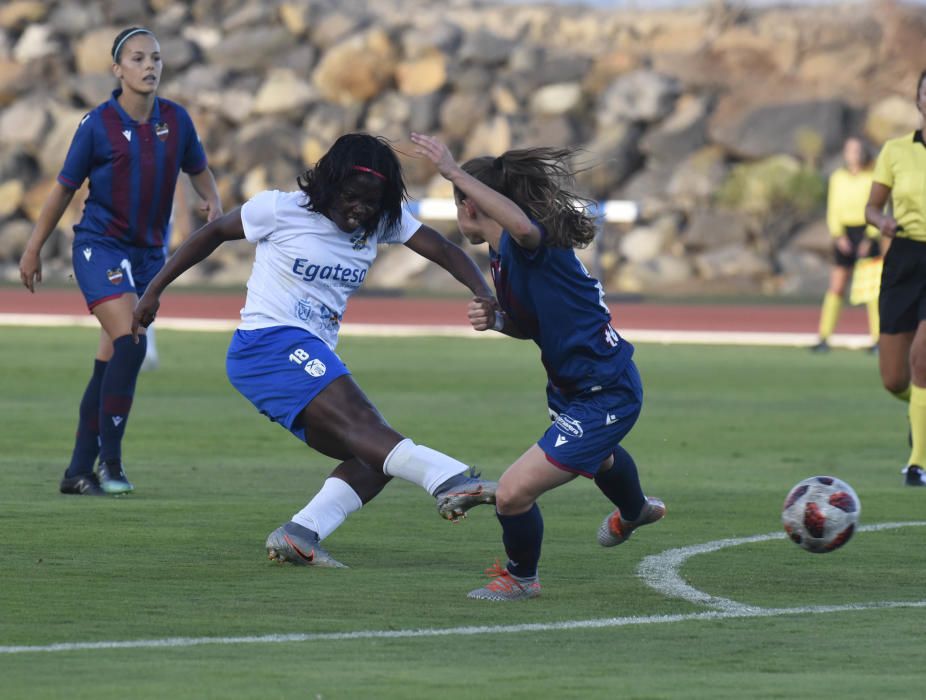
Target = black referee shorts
(902,302)
(855,234)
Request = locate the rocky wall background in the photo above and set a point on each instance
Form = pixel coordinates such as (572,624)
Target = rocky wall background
(721,123)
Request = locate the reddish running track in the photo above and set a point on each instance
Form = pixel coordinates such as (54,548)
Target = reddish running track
(443,312)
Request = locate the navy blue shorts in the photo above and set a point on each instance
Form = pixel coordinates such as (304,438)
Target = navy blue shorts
(106,268)
(280,370)
(588,426)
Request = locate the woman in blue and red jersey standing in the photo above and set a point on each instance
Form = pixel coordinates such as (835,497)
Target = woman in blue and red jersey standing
(132,148)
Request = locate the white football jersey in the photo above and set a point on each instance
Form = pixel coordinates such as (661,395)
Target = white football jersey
(305,267)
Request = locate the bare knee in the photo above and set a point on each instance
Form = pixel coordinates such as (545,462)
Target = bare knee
(895,384)
(509,501)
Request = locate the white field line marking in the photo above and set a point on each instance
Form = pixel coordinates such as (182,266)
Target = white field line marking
(661,571)
(705,337)
(608,622)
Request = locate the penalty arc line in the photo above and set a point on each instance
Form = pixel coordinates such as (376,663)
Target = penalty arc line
(661,571)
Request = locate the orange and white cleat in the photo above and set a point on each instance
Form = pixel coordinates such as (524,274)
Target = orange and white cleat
(615,530)
(506,586)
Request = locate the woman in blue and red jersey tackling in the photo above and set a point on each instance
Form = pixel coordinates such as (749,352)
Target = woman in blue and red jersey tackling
(132,148)
(518,204)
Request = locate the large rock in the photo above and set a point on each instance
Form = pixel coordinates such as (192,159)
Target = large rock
(19,13)
(460,112)
(681,133)
(642,96)
(13,238)
(891,117)
(556,99)
(731,261)
(249,47)
(357,69)
(697,178)
(423,75)
(37,41)
(11,197)
(716,228)
(615,149)
(91,50)
(24,124)
(284,92)
(786,128)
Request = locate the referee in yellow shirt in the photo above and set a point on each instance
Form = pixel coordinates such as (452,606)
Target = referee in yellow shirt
(845,217)
(900,175)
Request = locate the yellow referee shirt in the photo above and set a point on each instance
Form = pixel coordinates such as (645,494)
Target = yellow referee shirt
(901,165)
(846,197)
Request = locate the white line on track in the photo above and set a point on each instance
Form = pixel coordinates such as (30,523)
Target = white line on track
(659,571)
(704,337)
(178,642)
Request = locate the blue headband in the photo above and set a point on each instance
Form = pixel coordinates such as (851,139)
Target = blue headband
(128,36)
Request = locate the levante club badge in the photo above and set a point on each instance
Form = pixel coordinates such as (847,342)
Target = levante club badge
(161,130)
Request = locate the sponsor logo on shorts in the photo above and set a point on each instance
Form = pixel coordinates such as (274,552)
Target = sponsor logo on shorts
(560,440)
(315,368)
(87,253)
(568,426)
(115,275)
(611,419)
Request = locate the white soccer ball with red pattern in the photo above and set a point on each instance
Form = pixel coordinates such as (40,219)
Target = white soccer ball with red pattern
(821,513)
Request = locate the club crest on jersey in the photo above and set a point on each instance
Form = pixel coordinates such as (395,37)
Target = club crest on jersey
(568,426)
(115,275)
(162,130)
(303,310)
(359,240)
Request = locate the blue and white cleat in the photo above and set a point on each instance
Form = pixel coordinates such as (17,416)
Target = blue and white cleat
(298,545)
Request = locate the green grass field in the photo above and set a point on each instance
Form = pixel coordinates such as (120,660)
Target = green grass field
(724,433)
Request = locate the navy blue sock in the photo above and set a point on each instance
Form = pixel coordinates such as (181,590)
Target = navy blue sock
(522,536)
(621,484)
(87,442)
(117,392)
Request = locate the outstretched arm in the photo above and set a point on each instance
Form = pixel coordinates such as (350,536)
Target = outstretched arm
(430,244)
(494,204)
(195,249)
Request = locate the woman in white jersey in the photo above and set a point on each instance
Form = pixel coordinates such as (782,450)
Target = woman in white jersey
(314,248)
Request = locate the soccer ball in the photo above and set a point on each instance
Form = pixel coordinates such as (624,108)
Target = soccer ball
(820,514)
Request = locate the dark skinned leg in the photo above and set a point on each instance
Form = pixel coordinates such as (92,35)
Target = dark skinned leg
(366,482)
(341,422)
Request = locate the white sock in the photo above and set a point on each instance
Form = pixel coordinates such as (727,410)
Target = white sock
(421,465)
(151,351)
(329,508)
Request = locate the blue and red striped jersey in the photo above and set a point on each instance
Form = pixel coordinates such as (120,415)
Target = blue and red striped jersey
(549,295)
(133,169)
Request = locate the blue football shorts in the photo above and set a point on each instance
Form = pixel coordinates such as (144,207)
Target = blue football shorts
(280,370)
(588,426)
(106,268)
